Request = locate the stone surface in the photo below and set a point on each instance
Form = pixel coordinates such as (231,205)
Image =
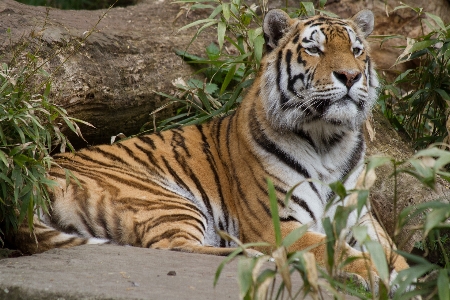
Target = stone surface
(117,272)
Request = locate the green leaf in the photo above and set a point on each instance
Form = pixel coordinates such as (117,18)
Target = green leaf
(339,189)
(210,21)
(443,94)
(327,13)
(212,51)
(211,88)
(377,161)
(267,274)
(226,11)
(258,45)
(422,45)
(322,3)
(435,217)
(294,235)
(360,234)
(201,6)
(216,12)
(438,21)
(291,191)
(379,260)
(443,285)
(309,8)
(201,94)
(328,227)
(245,278)
(402,76)
(47,90)
(274,210)
(363,196)
(228,78)
(3,158)
(30,211)
(229,258)
(6,179)
(221,29)
(407,277)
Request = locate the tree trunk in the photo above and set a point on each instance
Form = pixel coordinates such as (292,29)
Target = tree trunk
(109,78)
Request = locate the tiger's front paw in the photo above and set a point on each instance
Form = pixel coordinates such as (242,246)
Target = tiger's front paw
(395,286)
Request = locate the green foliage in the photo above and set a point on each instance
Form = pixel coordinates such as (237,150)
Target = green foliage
(435,247)
(78,4)
(230,64)
(417,102)
(229,67)
(29,131)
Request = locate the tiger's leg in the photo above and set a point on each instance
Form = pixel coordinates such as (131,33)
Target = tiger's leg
(374,229)
(316,242)
(377,233)
(171,223)
(397,262)
(190,247)
(182,236)
(45,238)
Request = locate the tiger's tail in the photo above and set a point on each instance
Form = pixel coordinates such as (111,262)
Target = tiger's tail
(44,238)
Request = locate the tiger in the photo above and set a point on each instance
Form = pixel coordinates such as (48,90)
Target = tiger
(301,119)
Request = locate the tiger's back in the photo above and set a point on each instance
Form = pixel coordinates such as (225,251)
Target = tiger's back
(301,119)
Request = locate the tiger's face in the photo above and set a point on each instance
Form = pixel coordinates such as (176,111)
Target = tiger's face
(319,71)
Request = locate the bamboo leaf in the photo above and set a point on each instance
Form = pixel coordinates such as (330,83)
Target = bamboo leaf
(435,217)
(438,21)
(309,8)
(339,189)
(274,210)
(258,48)
(294,235)
(3,158)
(226,11)
(228,78)
(443,285)
(422,45)
(245,278)
(221,29)
(379,260)
(198,22)
(280,257)
(223,263)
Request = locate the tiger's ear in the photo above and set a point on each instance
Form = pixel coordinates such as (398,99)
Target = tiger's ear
(365,21)
(276,23)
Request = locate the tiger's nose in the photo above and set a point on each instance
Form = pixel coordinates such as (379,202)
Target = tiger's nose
(347,78)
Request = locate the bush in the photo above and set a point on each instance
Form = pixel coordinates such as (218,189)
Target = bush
(29,132)
(417,101)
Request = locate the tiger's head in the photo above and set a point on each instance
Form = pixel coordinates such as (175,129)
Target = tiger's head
(318,73)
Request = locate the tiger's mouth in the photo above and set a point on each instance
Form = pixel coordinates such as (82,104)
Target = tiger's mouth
(345,100)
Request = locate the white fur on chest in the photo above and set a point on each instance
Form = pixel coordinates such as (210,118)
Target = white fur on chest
(322,169)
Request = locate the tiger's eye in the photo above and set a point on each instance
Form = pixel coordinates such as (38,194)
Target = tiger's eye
(357,51)
(313,50)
